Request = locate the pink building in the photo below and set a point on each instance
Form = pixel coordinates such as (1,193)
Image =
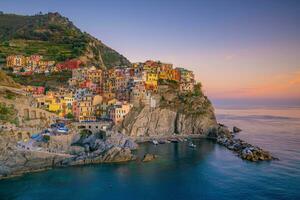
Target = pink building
(40,90)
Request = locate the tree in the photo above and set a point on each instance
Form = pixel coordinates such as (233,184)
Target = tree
(198,89)
(69,116)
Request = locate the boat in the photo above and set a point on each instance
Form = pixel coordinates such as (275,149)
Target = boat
(192,145)
(155,142)
(62,130)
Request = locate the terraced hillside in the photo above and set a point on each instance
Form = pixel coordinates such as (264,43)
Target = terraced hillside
(56,38)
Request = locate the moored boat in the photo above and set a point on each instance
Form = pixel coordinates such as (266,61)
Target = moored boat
(155,142)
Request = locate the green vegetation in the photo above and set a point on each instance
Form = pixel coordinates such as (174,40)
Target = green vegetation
(198,89)
(8,114)
(50,35)
(69,116)
(192,103)
(85,133)
(54,37)
(10,95)
(50,81)
(46,138)
(50,50)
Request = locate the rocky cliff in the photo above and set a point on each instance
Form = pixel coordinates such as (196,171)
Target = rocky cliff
(176,113)
(61,151)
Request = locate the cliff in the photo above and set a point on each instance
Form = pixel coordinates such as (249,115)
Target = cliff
(61,152)
(176,113)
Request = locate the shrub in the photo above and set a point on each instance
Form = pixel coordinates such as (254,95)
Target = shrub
(69,116)
(8,114)
(85,133)
(46,138)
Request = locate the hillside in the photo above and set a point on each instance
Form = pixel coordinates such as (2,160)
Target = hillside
(7,80)
(56,38)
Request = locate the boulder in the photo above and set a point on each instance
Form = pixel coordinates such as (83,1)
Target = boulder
(236,129)
(149,157)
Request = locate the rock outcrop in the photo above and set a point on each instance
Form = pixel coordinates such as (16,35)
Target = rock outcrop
(149,157)
(16,162)
(61,152)
(176,113)
(236,129)
(243,149)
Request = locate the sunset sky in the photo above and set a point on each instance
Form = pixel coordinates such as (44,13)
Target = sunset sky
(237,49)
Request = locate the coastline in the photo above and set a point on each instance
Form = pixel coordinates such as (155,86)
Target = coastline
(64,162)
(168,137)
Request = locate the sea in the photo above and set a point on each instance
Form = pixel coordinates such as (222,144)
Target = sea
(209,171)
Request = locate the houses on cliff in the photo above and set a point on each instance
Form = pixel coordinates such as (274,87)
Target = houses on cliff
(103,94)
(27,65)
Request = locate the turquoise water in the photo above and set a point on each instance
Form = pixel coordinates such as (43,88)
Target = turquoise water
(208,172)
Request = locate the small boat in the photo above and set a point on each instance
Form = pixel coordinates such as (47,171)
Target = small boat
(192,145)
(155,142)
(62,130)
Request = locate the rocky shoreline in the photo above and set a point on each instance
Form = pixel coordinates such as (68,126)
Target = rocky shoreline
(117,148)
(244,150)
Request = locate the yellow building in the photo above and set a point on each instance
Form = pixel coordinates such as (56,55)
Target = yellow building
(52,103)
(151,81)
(16,62)
(54,106)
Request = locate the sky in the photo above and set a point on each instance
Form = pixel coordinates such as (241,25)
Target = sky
(240,50)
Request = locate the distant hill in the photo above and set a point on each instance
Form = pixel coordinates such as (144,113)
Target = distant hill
(56,38)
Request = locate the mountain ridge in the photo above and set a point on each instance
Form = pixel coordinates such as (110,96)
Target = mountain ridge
(56,38)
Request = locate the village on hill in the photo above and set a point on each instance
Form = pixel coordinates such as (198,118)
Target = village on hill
(95,94)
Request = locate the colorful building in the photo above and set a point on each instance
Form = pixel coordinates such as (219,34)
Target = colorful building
(83,110)
(16,62)
(151,81)
(118,112)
